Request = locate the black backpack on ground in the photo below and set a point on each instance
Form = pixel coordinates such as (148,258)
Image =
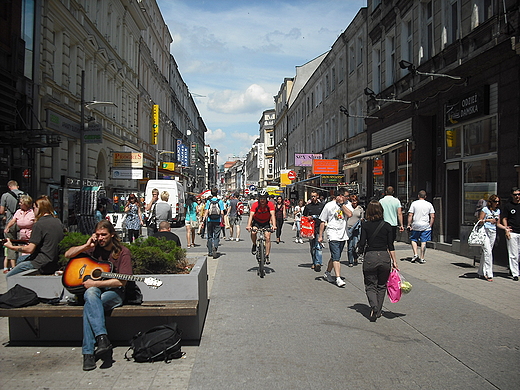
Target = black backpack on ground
(161,342)
(18,296)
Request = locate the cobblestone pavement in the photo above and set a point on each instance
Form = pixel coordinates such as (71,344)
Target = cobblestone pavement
(293,330)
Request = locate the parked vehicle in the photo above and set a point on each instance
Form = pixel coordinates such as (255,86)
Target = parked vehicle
(177,198)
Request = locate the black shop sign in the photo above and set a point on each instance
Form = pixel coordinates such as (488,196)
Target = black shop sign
(466,107)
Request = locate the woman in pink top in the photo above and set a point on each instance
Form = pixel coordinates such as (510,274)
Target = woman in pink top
(24,219)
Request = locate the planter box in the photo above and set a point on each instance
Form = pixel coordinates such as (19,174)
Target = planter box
(176,287)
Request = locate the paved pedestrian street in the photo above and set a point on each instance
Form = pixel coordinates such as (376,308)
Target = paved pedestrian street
(294,330)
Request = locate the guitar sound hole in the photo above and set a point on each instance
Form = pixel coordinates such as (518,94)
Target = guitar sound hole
(96,274)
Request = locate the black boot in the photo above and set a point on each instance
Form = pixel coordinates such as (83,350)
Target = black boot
(89,362)
(103,345)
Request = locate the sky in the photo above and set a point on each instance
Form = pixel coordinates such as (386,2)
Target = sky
(234,56)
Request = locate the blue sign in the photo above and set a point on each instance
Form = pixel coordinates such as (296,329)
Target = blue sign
(252,187)
(182,153)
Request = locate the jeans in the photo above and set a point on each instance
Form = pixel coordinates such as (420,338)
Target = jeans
(336,247)
(298,226)
(21,266)
(486,260)
(513,245)
(97,302)
(376,269)
(213,233)
(316,251)
(352,253)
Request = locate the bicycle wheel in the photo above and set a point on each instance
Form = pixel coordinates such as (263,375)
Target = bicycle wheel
(261,259)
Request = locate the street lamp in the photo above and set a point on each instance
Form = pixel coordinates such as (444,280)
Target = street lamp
(403,64)
(88,106)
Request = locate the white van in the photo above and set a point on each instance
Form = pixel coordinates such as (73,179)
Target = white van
(177,198)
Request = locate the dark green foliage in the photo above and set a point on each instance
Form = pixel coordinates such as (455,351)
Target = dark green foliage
(69,240)
(157,256)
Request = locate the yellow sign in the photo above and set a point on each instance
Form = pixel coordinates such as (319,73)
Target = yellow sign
(127,160)
(169,166)
(155,124)
(284,177)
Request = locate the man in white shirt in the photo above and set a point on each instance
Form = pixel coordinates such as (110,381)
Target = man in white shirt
(421,216)
(335,214)
(392,211)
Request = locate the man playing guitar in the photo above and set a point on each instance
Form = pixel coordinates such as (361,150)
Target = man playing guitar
(101,295)
(261,215)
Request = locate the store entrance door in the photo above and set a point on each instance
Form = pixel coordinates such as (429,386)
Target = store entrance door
(453,202)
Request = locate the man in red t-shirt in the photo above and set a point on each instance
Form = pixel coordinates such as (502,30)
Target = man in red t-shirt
(261,215)
(101,295)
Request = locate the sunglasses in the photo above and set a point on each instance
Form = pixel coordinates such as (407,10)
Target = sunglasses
(516,194)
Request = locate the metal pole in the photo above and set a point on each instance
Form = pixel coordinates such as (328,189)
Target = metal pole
(156,164)
(83,158)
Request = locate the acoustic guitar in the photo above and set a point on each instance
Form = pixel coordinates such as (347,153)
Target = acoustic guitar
(83,267)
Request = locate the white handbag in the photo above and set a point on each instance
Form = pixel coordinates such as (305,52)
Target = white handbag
(477,235)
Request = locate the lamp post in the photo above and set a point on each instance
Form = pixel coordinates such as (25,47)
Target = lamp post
(88,106)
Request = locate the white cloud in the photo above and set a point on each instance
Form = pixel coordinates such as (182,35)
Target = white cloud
(215,135)
(253,99)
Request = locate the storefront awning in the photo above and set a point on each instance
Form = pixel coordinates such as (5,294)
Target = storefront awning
(371,154)
(303,181)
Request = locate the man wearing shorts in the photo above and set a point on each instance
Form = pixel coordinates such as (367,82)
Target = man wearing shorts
(261,215)
(421,216)
(335,213)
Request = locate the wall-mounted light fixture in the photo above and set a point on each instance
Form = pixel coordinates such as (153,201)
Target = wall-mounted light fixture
(413,70)
(377,98)
(343,110)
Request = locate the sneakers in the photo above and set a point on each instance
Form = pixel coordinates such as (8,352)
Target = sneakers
(515,278)
(421,261)
(301,241)
(253,249)
(328,277)
(267,261)
(215,253)
(340,282)
(238,239)
(415,258)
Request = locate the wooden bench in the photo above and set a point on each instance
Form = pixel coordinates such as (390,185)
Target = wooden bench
(51,324)
(147,309)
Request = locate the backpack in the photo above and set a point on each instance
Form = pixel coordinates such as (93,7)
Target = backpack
(161,342)
(18,296)
(214,208)
(17,197)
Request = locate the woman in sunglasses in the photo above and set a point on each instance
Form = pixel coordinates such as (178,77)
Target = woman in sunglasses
(490,217)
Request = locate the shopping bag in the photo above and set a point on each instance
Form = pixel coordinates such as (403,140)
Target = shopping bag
(307,227)
(393,286)
(477,235)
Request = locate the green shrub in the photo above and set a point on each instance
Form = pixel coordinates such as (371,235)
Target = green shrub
(149,256)
(69,240)
(158,256)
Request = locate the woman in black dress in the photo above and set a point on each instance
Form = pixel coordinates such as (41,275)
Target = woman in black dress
(379,256)
(279,213)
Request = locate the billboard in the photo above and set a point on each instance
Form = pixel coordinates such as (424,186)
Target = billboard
(305,159)
(325,167)
(155,124)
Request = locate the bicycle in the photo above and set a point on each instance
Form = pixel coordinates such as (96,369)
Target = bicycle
(260,249)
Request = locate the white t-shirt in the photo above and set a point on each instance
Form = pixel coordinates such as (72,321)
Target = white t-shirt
(421,210)
(390,207)
(336,221)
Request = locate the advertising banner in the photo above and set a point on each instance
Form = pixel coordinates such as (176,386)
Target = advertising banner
(155,124)
(261,155)
(325,167)
(332,180)
(127,160)
(305,160)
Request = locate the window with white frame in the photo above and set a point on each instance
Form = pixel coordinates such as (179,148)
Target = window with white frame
(406,42)
(453,21)
(352,58)
(482,11)
(426,31)
(359,50)
(376,70)
(390,60)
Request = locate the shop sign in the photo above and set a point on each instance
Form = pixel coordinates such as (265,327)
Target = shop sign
(467,106)
(325,167)
(332,180)
(127,174)
(377,169)
(93,133)
(305,159)
(127,160)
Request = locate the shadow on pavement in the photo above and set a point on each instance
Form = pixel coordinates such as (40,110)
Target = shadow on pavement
(365,310)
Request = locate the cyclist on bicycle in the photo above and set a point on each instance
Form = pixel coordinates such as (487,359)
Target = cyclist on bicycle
(261,215)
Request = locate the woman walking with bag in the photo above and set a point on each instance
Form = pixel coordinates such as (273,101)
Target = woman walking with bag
(280,214)
(379,259)
(490,217)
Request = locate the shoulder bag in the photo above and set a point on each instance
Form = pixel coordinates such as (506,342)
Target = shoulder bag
(478,235)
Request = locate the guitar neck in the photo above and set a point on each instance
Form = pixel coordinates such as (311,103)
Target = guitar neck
(112,275)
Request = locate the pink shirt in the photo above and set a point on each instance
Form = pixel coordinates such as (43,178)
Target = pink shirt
(25,221)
